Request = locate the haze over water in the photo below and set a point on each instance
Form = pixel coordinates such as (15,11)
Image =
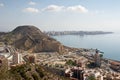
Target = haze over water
(108,43)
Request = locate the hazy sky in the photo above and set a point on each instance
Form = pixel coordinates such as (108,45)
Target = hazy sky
(61,14)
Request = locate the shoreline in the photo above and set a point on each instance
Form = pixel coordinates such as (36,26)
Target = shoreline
(89,50)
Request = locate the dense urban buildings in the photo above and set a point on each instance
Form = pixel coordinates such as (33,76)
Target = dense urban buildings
(72,65)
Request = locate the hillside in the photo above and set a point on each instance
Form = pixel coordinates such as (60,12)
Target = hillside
(2,34)
(28,72)
(30,38)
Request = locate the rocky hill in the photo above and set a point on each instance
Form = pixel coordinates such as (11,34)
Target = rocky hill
(2,35)
(30,38)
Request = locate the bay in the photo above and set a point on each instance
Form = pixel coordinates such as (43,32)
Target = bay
(107,43)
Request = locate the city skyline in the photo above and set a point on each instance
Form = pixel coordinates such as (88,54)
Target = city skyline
(60,15)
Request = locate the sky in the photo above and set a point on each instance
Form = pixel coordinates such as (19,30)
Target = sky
(61,15)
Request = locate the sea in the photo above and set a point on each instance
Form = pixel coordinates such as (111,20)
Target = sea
(107,43)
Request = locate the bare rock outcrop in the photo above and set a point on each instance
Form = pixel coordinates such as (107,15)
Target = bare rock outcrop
(30,38)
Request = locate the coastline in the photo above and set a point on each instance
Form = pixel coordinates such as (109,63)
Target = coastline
(104,43)
(89,51)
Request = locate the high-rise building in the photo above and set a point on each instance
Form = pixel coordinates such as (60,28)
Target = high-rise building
(17,58)
(97,59)
(75,73)
(78,74)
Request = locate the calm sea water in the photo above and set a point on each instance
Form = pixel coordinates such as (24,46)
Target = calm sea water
(108,43)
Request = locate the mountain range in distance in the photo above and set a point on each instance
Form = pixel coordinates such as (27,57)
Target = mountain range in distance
(81,33)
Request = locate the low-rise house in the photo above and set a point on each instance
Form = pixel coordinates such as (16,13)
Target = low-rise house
(82,61)
(114,65)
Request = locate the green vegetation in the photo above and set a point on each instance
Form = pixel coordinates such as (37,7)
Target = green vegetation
(28,72)
(20,71)
(70,62)
(40,71)
(35,76)
(101,55)
(91,77)
(91,65)
(1,43)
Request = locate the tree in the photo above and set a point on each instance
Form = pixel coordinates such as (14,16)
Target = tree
(91,77)
(70,62)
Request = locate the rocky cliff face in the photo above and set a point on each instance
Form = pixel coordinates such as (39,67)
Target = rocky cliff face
(32,39)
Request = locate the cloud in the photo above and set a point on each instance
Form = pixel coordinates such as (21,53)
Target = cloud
(77,8)
(53,8)
(56,8)
(1,5)
(31,10)
(32,3)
